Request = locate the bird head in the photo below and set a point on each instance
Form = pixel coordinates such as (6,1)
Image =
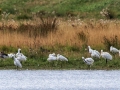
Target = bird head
(83,58)
(19,50)
(10,55)
(101,51)
(89,47)
(53,54)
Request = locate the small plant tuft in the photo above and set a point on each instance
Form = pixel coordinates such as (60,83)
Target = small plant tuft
(107,13)
(82,36)
(113,41)
(47,25)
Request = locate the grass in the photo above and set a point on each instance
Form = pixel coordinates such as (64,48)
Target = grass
(84,9)
(72,64)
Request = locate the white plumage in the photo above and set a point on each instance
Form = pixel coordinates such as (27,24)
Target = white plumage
(53,54)
(17,62)
(95,54)
(90,49)
(19,52)
(88,61)
(114,50)
(61,57)
(20,56)
(10,55)
(52,57)
(106,56)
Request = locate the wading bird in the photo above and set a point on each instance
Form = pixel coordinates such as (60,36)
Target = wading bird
(53,54)
(106,56)
(10,55)
(114,50)
(51,58)
(17,62)
(92,50)
(20,56)
(61,58)
(88,61)
(95,54)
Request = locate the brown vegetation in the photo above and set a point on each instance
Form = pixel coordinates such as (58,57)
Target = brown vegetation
(71,33)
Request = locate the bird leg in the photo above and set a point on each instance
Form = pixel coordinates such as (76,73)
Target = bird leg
(17,67)
(106,61)
(114,55)
(61,64)
(89,67)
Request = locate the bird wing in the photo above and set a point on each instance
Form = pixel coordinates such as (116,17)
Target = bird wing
(89,61)
(106,55)
(63,58)
(97,52)
(52,58)
(17,63)
(94,54)
(22,58)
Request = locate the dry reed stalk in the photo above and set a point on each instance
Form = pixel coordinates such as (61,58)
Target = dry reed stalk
(66,34)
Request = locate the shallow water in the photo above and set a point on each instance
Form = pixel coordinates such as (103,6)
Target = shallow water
(59,80)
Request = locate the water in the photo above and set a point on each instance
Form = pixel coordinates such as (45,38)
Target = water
(59,80)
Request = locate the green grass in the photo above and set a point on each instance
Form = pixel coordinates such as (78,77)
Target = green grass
(83,8)
(76,64)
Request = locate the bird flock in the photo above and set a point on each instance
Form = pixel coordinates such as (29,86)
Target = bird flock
(19,57)
(56,57)
(96,54)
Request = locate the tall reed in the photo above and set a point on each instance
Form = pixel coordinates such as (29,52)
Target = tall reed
(72,33)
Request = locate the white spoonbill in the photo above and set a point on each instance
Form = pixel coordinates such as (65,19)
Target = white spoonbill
(19,52)
(106,56)
(17,62)
(90,49)
(20,56)
(61,57)
(10,55)
(53,54)
(94,54)
(88,61)
(52,58)
(114,50)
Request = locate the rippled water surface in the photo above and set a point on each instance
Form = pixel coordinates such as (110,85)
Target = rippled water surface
(59,80)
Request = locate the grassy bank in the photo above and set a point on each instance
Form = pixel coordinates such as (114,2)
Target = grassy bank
(74,63)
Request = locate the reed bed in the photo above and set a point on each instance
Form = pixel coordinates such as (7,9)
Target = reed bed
(74,33)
